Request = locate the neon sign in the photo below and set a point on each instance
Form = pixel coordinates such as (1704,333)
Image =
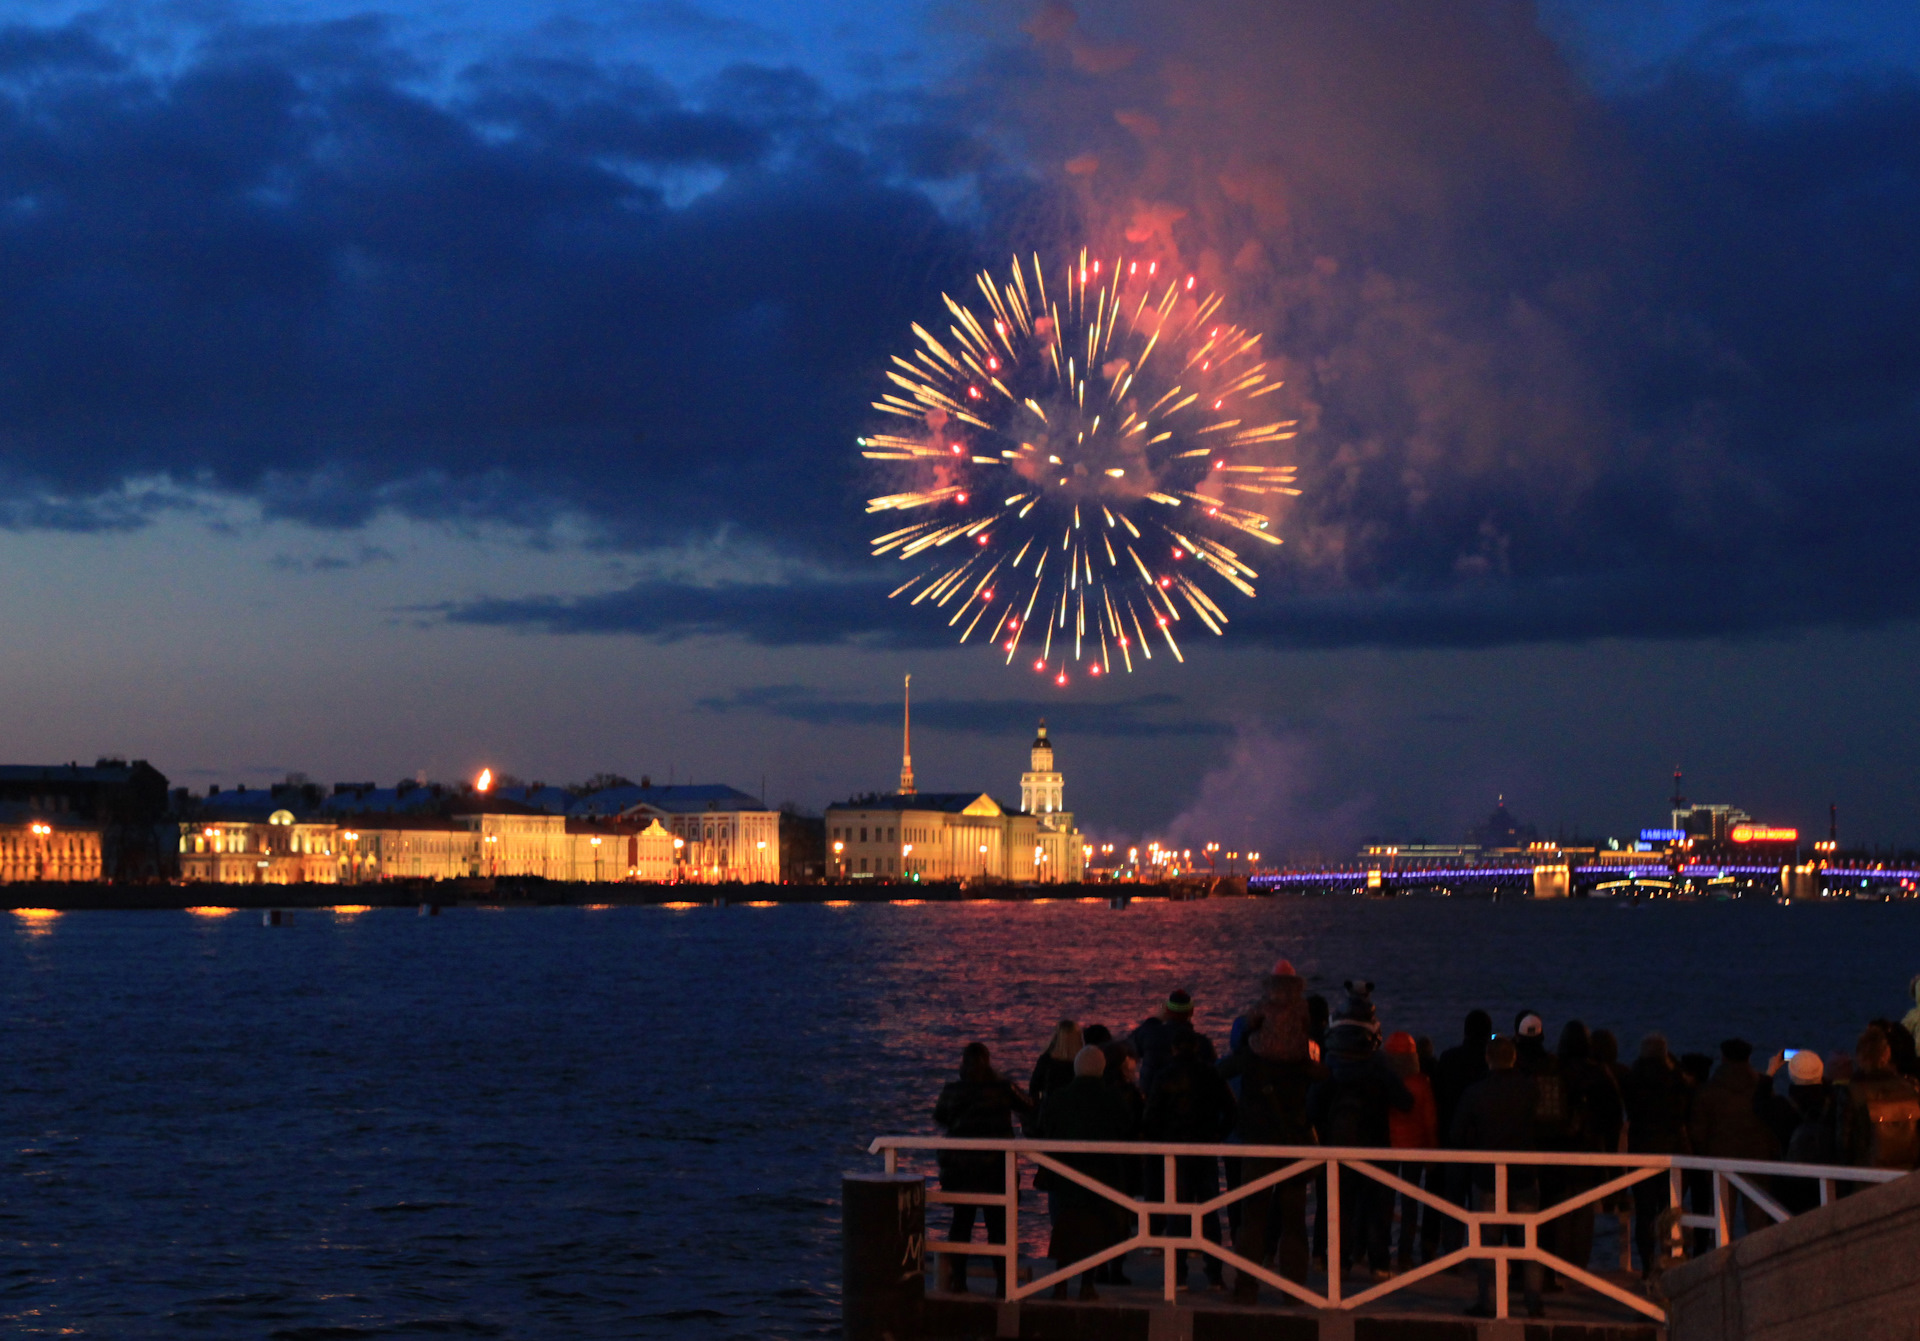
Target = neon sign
(1761,833)
(1662,835)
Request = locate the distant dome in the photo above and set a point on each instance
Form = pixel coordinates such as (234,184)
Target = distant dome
(1040,742)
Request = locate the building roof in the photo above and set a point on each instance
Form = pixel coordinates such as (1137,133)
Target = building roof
(354,799)
(400,823)
(553,800)
(952,803)
(16,773)
(14,813)
(683,800)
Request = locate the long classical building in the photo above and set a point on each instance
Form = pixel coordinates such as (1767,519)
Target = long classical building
(912,835)
(38,844)
(292,833)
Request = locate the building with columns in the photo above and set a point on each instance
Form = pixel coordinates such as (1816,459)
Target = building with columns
(909,835)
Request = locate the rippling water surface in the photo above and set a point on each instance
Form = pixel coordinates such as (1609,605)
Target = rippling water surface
(585,1123)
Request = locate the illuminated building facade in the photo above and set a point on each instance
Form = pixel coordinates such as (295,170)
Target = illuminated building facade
(276,850)
(961,835)
(123,804)
(40,845)
(930,836)
(722,832)
(1060,852)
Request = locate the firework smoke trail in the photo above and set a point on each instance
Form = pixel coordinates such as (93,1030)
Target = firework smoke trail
(1078,456)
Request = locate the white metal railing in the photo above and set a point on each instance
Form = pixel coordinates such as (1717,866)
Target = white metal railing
(1747,1177)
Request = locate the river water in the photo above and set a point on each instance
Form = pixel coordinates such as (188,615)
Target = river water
(630,1122)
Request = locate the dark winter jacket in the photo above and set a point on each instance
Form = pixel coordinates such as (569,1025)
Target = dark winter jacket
(1496,1113)
(1658,1097)
(1273,1098)
(1086,1109)
(1049,1074)
(1349,1107)
(1593,1105)
(1189,1102)
(1877,1120)
(1153,1045)
(1453,1074)
(980,1109)
(1723,1124)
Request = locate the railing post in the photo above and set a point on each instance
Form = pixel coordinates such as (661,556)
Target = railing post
(1335,1256)
(1722,1213)
(1671,1248)
(1168,1255)
(1500,1263)
(893,1161)
(1010,1278)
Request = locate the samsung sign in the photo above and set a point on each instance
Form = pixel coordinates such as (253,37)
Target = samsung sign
(1662,835)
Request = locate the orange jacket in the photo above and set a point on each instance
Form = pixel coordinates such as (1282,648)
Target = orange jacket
(1419,1127)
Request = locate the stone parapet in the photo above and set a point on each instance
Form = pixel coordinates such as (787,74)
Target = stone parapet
(1849,1271)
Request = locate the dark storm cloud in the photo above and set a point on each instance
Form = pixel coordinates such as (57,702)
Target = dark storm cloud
(1568,365)
(280,271)
(778,615)
(1142,716)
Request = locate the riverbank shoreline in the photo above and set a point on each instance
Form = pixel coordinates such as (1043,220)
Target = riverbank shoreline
(95,897)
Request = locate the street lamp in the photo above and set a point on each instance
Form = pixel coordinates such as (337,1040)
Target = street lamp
(353,869)
(839,861)
(42,832)
(594,843)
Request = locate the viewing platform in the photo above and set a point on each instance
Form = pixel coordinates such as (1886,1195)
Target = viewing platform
(894,1281)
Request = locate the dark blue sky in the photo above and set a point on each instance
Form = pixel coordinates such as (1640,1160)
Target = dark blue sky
(404,389)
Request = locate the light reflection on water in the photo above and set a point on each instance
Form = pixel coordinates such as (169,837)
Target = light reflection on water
(631,1122)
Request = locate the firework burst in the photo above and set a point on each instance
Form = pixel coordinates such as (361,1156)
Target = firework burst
(1078,460)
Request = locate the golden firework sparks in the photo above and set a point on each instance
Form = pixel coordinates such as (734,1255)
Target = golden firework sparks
(1125,409)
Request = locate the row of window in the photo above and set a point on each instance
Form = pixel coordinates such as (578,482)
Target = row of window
(880,835)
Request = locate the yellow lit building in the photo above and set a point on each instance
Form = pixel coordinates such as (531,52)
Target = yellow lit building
(1060,854)
(929,836)
(719,832)
(960,835)
(619,850)
(42,846)
(280,850)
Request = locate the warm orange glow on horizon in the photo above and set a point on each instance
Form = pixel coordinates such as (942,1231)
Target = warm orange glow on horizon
(208,910)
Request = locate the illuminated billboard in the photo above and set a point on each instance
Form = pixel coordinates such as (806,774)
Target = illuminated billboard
(1762,833)
(1662,835)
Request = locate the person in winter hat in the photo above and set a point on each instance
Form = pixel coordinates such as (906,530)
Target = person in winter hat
(1356,1025)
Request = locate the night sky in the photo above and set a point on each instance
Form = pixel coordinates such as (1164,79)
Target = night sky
(419,387)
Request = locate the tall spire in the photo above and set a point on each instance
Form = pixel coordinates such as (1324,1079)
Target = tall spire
(906,742)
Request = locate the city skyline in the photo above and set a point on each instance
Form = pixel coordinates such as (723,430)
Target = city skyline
(455,386)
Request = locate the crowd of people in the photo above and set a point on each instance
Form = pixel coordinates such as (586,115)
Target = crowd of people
(1298,1072)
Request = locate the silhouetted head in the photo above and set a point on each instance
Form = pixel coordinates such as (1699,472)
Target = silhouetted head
(1479,1028)
(976,1063)
(1501,1054)
(1574,1042)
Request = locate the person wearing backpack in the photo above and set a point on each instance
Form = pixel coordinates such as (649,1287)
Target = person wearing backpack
(1498,1112)
(1350,1108)
(1657,1099)
(1190,1103)
(981,1104)
(1276,1072)
(1801,1121)
(1723,1123)
(1593,1125)
(1877,1115)
(1416,1129)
